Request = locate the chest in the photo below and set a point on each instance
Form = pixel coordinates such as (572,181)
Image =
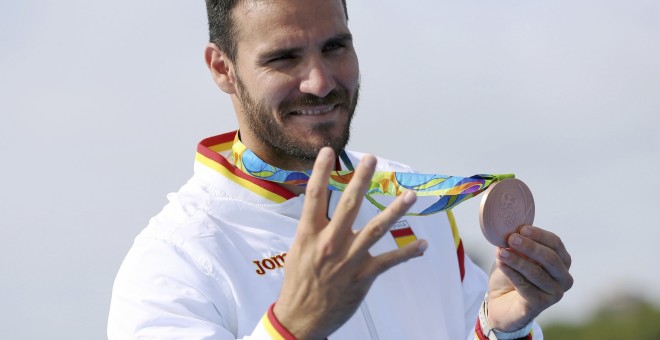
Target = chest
(416,299)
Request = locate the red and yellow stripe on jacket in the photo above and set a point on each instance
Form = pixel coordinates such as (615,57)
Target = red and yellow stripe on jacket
(274,328)
(208,153)
(460,252)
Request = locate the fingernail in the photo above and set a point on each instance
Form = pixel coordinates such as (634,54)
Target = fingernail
(515,240)
(526,230)
(409,196)
(423,245)
(368,161)
(504,252)
(325,152)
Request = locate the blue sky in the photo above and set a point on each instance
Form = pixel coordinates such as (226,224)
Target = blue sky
(103,103)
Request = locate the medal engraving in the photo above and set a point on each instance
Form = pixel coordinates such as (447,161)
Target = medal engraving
(505,207)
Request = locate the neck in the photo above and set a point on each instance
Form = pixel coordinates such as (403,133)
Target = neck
(275,157)
(285,161)
(280,160)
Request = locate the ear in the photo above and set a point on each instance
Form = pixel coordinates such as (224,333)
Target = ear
(222,69)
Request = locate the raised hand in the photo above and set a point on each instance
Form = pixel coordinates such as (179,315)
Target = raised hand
(527,278)
(329,269)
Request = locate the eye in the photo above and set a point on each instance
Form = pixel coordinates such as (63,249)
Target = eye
(281,58)
(333,46)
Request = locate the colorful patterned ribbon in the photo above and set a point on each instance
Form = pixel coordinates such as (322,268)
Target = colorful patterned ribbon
(451,190)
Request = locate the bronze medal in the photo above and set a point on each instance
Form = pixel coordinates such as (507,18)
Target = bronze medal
(506,206)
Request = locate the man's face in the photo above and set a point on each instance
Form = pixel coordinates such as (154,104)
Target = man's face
(297,78)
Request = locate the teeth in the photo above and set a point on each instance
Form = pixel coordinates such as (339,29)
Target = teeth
(315,111)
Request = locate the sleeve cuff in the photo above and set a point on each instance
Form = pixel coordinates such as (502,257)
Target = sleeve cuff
(484,331)
(479,334)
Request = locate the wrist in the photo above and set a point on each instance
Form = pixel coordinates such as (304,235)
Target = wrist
(289,329)
(277,325)
(485,330)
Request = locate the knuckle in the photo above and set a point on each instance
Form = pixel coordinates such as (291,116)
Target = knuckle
(556,243)
(546,299)
(552,298)
(569,282)
(380,224)
(517,261)
(558,295)
(349,202)
(537,272)
(555,239)
(376,231)
(521,282)
(327,250)
(314,192)
(551,258)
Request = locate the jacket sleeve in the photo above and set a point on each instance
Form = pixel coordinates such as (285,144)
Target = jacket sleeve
(161,292)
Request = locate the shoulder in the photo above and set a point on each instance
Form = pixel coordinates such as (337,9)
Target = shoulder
(172,269)
(185,228)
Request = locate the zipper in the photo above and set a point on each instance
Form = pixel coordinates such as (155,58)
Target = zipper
(368,320)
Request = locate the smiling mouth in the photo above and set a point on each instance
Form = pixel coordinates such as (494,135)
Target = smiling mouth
(314,111)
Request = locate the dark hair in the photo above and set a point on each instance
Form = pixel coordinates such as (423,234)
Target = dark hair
(222,30)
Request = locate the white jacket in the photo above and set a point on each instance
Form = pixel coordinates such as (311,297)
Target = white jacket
(209,265)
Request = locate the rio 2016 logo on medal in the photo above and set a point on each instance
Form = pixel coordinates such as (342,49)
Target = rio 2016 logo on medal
(505,207)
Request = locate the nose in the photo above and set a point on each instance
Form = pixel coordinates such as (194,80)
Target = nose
(317,79)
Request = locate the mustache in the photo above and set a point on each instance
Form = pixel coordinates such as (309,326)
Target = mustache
(333,98)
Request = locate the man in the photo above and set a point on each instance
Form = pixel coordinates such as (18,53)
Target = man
(237,256)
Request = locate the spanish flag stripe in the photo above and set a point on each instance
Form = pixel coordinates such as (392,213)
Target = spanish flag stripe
(240,180)
(402,232)
(219,139)
(460,252)
(454,228)
(207,153)
(270,329)
(220,147)
(404,240)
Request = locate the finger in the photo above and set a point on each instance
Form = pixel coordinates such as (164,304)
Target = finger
(353,195)
(526,275)
(535,299)
(382,223)
(385,261)
(544,256)
(549,239)
(316,194)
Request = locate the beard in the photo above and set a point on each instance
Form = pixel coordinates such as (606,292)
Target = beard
(286,145)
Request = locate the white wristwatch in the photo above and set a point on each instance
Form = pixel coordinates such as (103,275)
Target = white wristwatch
(494,334)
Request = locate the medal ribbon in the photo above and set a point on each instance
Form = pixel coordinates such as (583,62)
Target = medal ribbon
(450,190)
